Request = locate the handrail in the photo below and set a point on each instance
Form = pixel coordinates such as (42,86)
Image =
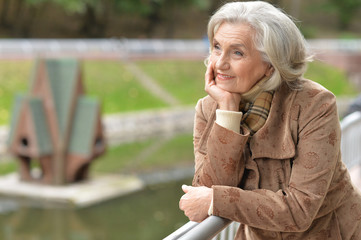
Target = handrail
(205,230)
(350,119)
(181,231)
(351,139)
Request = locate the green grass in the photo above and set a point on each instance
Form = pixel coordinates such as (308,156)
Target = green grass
(331,78)
(187,78)
(119,92)
(108,81)
(8,167)
(14,77)
(124,158)
(117,89)
(176,150)
(119,157)
(183,79)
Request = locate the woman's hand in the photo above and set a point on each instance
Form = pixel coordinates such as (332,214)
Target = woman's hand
(226,100)
(195,202)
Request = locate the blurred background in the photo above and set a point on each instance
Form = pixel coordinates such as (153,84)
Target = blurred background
(157,18)
(143,59)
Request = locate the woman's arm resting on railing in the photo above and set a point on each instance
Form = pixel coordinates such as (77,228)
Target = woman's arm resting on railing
(196,202)
(218,150)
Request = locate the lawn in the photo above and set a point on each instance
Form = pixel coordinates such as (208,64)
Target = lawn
(108,81)
(129,158)
(160,153)
(183,79)
(14,77)
(116,88)
(119,91)
(331,78)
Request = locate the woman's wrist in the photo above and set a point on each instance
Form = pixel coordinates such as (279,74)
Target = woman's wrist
(230,102)
(229,119)
(228,106)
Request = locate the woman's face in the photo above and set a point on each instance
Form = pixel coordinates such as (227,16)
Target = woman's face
(237,65)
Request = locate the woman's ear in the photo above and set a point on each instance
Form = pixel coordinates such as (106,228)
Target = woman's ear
(269,70)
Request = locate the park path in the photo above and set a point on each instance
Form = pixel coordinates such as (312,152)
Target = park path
(157,90)
(150,84)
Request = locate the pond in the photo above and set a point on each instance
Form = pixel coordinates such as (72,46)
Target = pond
(145,215)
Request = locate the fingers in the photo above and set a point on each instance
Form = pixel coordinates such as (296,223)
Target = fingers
(181,204)
(209,76)
(185,188)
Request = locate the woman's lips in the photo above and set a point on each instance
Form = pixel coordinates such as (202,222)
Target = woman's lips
(224,76)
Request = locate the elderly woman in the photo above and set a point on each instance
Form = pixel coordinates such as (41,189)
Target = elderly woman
(266,140)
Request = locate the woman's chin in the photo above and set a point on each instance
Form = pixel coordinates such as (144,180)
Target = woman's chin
(228,88)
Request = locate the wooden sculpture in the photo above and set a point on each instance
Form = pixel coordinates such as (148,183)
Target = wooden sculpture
(56,125)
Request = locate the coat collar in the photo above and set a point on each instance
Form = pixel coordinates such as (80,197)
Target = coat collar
(277,138)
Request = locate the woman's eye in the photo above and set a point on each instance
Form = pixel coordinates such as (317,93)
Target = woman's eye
(238,53)
(216,47)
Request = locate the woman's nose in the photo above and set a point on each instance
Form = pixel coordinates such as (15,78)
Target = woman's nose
(222,62)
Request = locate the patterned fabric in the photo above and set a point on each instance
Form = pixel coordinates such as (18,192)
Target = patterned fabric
(255,114)
(293,183)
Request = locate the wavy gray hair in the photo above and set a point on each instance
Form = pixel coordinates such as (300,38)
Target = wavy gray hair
(277,38)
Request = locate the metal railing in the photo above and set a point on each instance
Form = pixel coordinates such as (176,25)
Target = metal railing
(351,140)
(208,229)
(216,228)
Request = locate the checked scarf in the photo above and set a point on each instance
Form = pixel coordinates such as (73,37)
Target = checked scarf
(255,113)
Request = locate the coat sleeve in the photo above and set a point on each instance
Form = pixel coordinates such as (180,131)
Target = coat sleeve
(294,208)
(218,151)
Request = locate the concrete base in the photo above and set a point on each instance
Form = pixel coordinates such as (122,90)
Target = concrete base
(83,194)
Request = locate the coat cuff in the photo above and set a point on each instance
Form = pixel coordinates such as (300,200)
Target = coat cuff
(229,119)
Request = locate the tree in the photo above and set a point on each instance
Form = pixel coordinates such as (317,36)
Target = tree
(4,13)
(156,12)
(94,15)
(346,11)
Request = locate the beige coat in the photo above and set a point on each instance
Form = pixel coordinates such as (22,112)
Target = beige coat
(288,181)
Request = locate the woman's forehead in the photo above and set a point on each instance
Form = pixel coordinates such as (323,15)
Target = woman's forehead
(234,34)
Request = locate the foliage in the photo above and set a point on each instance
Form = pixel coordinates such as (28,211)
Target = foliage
(93,16)
(346,10)
(78,6)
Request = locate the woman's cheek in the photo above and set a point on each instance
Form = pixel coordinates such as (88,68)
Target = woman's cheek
(213,59)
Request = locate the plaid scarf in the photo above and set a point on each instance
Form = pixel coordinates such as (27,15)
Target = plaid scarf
(255,113)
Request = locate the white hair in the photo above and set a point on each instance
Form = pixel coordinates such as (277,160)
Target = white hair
(276,37)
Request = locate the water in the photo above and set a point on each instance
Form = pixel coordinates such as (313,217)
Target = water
(146,215)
